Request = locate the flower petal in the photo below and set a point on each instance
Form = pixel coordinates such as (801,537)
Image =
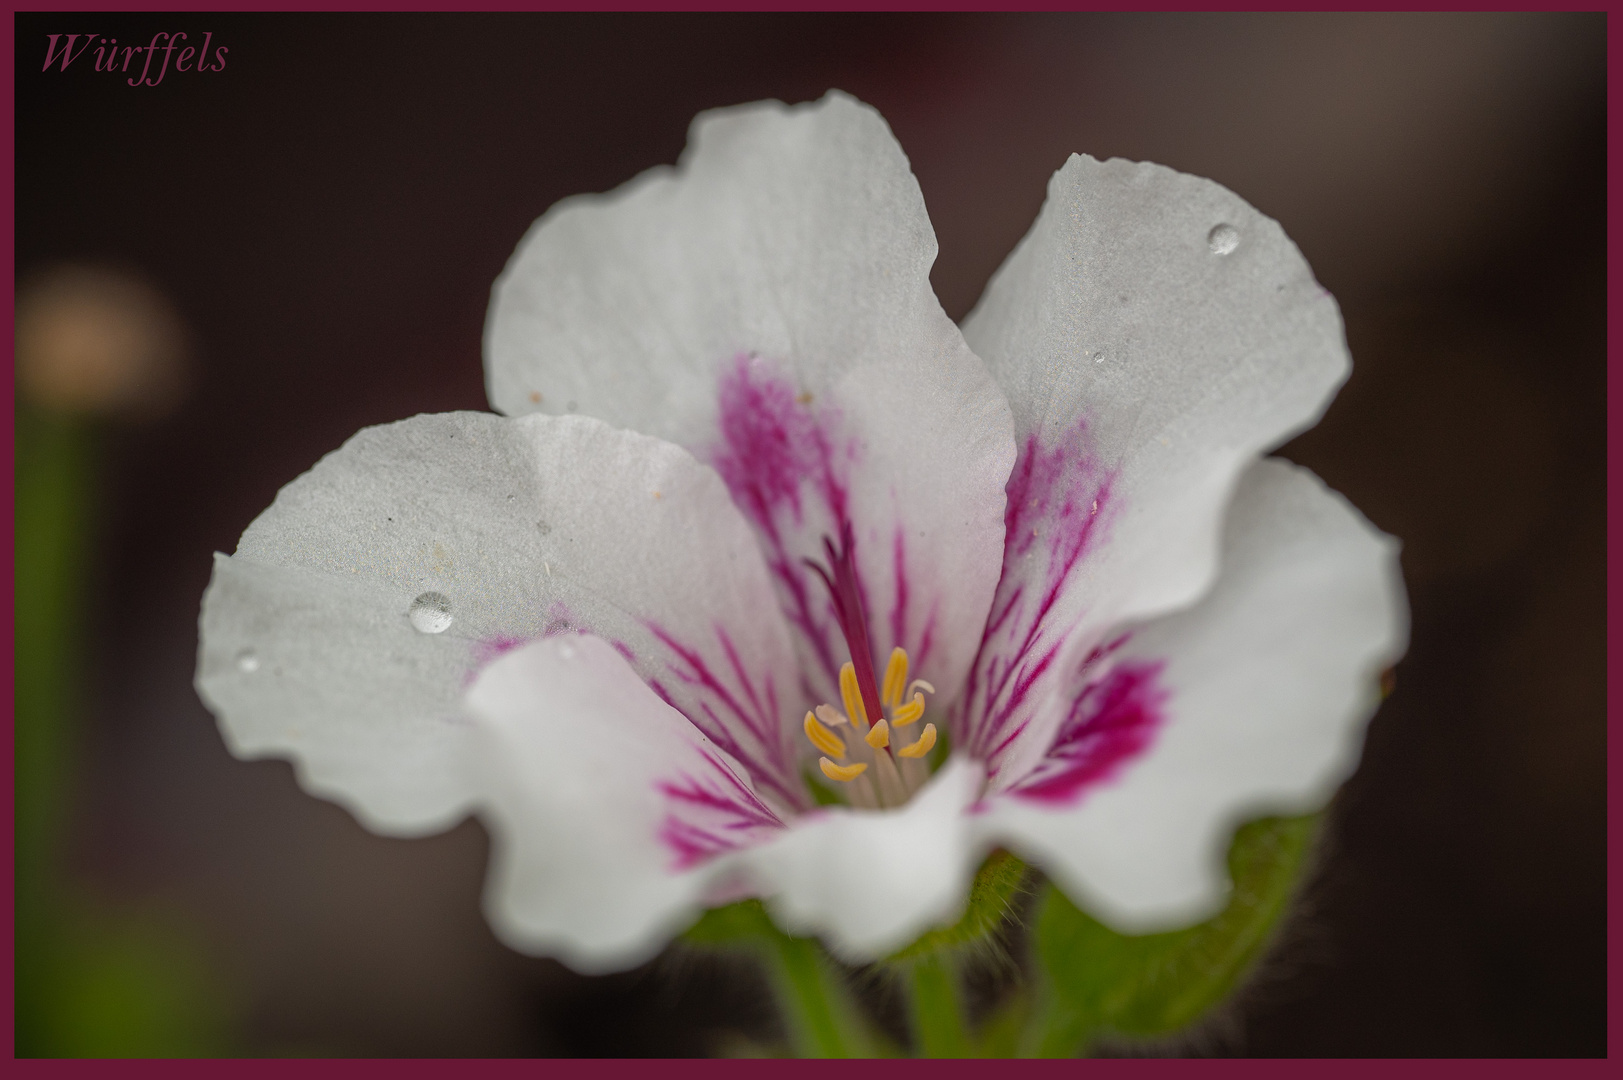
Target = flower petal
(1153,334)
(359,606)
(767,305)
(1252,702)
(604,803)
(870,882)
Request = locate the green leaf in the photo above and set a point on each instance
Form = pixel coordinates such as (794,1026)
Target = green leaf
(1097,981)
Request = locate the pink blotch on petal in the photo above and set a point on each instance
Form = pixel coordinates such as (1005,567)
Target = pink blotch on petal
(1059,502)
(1112,721)
(771,442)
(776,452)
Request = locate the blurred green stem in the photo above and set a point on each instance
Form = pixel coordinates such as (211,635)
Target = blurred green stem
(816,1007)
(938,1017)
(54,477)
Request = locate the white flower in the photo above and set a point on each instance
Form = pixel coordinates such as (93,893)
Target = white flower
(604,632)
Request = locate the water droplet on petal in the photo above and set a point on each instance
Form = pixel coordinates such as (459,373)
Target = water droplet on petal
(1098,358)
(1223,239)
(247,662)
(569,406)
(430,613)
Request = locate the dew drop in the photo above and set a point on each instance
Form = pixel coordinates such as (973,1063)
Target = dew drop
(430,613)
(247,662)
(569,406)
(1223,239)
(1098,358)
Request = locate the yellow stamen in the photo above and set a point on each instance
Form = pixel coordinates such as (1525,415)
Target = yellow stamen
(908,713)
(852,694)
(822,738)
(895,677)
(831,716)
(879,737)
(920,684)
(925,744)
(843,773)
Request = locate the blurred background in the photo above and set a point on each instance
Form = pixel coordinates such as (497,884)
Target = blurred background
(222,277)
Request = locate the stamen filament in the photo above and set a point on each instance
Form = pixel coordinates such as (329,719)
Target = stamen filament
(925,744)
(892,791)
(843,773)
(822,738)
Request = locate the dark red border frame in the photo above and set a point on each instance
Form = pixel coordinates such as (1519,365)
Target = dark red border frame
(672,1069)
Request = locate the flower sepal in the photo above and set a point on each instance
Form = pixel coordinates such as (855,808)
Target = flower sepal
(1000,880)
(1097,983)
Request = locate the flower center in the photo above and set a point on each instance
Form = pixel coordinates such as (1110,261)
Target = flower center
(872,711)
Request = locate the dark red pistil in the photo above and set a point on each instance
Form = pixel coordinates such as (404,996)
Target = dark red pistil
(841,579)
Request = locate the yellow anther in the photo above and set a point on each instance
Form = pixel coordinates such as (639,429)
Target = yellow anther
(879,736)
(831,716)
(822,738)
(895,677)
(852,695)
(908,713)
(843,773)
(925,744)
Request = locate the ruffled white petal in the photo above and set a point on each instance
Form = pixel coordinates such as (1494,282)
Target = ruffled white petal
(1153,333)
(870,882)
(767,305)
(325,669)
(518,529)
(1263,688)
(596,793)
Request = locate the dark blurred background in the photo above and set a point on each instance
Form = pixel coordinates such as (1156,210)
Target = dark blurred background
(314,231)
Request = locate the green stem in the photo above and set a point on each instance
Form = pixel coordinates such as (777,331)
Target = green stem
(1058,1032)
(938,1018)
(815,1005)
(54,478)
